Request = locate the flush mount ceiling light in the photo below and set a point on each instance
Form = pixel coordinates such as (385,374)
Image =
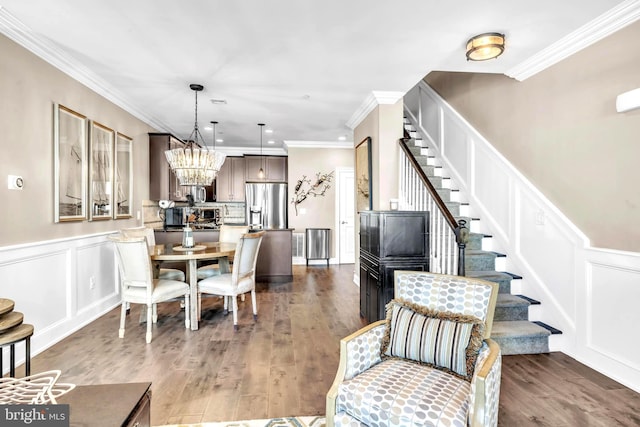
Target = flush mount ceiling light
(485,46)
(195,163)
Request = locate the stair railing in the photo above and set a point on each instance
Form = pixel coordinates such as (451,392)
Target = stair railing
(447,237)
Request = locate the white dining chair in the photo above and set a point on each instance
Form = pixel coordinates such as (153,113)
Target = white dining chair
(240,280)
(148,234)
(138,285)
(228,234)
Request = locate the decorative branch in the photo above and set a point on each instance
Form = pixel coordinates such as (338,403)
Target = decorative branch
(305,187)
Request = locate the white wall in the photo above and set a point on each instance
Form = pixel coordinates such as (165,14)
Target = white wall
(50,283)
(590,294)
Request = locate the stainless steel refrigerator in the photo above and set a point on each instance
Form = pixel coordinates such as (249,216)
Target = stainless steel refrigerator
(266,205)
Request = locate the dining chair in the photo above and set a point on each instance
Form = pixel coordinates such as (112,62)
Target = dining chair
(240,280)
(228,234)
(138,285)
(148,234)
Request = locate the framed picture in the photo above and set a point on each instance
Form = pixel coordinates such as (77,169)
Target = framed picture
(123,178)
(363,176)
(101,172)
(70,164)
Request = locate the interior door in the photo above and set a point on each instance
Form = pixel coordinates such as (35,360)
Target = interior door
(345,204)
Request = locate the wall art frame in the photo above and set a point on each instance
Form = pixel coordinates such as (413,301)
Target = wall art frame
(70,164)
(123,177)
(364,186)
(101,147)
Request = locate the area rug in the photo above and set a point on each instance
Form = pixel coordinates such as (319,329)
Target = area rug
(274,422)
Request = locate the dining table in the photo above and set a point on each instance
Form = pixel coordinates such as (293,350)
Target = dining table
(202,251)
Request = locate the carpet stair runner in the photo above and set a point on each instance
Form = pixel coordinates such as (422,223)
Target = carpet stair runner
(512,329)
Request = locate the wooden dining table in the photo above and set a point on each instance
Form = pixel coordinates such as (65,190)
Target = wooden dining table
(200,252)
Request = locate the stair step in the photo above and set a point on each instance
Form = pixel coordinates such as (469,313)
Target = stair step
(503,279)
(475,240)
(520,337)
(551,329)
(479,260)
(511,307)
(430,170)
(531,300)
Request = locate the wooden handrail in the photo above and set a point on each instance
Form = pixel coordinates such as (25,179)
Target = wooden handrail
(459,227)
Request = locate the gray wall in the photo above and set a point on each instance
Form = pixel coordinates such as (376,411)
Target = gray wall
(29,87)
(561,130)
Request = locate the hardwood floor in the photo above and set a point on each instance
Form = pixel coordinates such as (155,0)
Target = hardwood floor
(284,364)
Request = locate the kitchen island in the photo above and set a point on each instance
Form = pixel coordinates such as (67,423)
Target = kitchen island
(274,259)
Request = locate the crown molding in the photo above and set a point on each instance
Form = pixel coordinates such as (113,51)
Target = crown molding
(318,144)
(51,53)
(375,98)
(606,24)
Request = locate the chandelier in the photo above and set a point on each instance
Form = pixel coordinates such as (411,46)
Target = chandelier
(195,163)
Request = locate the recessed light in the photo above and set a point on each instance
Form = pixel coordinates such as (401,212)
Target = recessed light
(342,138)
(268,131)
(271,142)
(219,140)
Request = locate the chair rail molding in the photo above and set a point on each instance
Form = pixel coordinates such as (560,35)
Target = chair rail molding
(60,285)
(581,294)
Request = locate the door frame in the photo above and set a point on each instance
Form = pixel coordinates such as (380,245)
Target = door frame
(340,174)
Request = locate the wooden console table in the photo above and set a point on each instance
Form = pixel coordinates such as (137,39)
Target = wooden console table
(109,405)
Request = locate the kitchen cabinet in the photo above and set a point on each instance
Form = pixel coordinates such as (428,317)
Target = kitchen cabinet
(389,241)
(275,168)
(230,180)
(163,184)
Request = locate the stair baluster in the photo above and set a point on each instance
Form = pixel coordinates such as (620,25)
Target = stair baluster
(448,236)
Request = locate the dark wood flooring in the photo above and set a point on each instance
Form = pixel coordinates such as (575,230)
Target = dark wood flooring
(284,364)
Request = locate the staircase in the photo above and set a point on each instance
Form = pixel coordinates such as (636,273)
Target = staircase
(511,328)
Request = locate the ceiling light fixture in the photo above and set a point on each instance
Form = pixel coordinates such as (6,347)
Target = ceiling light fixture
(195,164)
(485,46)
(261,171)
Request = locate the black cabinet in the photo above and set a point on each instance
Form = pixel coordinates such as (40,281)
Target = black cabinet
(389,241)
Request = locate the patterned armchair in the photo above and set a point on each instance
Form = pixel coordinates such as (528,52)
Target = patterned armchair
(430,363)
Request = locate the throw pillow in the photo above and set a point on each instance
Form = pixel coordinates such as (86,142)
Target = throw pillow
(443,340)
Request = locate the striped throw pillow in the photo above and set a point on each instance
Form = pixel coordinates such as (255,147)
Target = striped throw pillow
(443,340)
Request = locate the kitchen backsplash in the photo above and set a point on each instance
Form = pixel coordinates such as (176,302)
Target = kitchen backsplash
(230,213)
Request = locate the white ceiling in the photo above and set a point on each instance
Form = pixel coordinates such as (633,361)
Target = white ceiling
(303,67)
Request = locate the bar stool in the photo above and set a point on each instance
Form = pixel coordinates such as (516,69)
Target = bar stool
(12,331)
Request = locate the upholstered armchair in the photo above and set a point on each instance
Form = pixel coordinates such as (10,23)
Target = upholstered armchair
(430,363)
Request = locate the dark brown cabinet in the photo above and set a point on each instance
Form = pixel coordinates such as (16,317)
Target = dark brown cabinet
(275,167)
(389,241)
(163,184)
(230,180)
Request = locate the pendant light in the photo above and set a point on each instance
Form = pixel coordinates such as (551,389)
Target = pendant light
(213,125)
(195,164)
(261,171)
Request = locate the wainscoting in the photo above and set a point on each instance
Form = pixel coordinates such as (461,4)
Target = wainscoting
(59,286)
(590,294)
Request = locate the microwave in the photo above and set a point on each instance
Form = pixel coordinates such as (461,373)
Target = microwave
(174,218)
